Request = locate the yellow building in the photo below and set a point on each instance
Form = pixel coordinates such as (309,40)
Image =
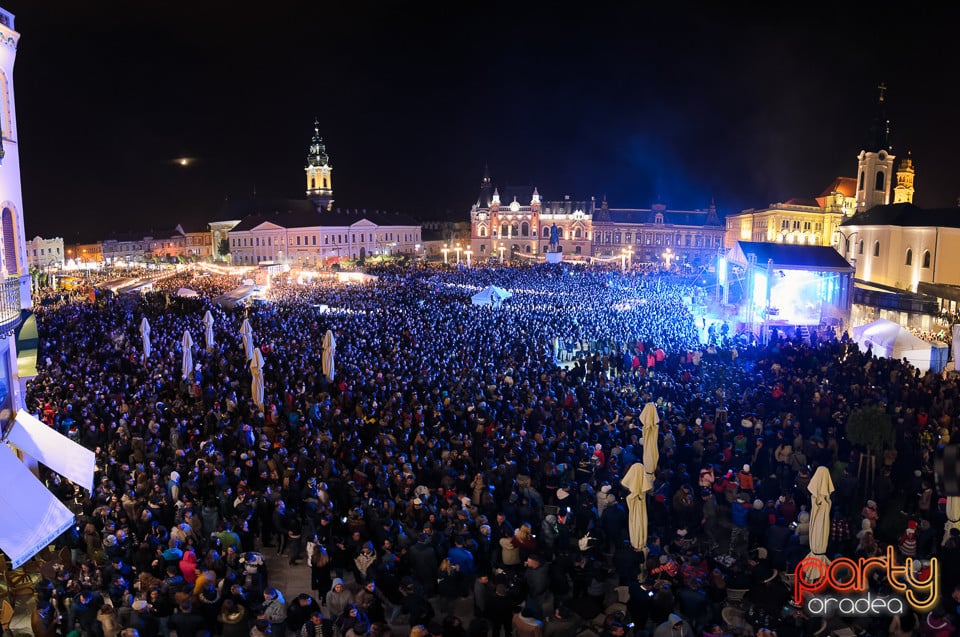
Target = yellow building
(799,221)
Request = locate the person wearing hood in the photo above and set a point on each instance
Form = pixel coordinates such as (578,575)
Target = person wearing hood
(338,599)
(274,610)
(233,620)
(188,567)
(675,626)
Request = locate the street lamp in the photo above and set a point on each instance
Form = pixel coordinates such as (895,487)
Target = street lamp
(468,252)
(847,243)
(458,253)
(445,250)
(668,256)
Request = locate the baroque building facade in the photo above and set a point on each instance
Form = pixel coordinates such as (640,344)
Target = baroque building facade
(45,253)
(523,225)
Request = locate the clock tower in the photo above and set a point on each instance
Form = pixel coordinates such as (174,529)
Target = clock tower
(875,163)
(319,172)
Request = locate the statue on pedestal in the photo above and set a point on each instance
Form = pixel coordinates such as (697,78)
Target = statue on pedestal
(554,239)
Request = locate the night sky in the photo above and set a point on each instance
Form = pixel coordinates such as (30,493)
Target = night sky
(681,104)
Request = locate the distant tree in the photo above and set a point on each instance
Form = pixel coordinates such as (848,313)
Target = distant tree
(871,429)
(224,247)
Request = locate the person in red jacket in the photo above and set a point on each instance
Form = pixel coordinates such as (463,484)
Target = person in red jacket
(745,478)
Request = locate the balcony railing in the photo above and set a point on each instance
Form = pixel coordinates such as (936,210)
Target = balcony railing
(9,306)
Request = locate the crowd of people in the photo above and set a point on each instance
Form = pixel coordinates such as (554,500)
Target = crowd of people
(457,460)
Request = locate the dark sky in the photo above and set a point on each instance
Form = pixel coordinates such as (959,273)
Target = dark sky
(681,103)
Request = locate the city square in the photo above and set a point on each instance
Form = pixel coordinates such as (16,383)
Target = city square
(653,394)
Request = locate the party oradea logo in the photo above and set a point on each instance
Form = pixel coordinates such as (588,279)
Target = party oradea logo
(842,586)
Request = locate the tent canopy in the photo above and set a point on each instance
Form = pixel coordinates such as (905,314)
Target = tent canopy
(187,292)
(889,340)
(492,295)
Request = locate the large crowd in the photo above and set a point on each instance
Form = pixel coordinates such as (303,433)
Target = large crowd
(469,456)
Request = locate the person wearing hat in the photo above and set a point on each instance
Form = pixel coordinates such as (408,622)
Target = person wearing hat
(605,498)
(871,514)
(745,479)
(908,540)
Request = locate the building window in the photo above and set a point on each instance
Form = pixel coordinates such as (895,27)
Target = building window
(578,233)
(527,249)
(546,232)
(313,240)
(860,247)
(298,239)
(862,177)
(524,229)
(880,183)
(483,248)
(876,248)
(926,259)
(658,219)
(483,231)
(909,259)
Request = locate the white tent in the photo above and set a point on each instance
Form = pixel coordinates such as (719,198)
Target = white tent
(492,295)
(888,340)
(187,293)
(33,516)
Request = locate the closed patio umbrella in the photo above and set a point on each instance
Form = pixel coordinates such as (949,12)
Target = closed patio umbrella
(208,329)
(256,385)
(637,483)
(187,367)
(145,332)
(953,516)
(820,488)
(650,420)
(329,352)
(246,333)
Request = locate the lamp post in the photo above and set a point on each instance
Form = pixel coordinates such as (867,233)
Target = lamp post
(468,252)
(847,244)
(458,253)
(445,250)
(668,256)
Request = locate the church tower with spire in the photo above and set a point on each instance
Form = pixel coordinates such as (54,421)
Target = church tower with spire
(903,192)
(875,162)
(319,172)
